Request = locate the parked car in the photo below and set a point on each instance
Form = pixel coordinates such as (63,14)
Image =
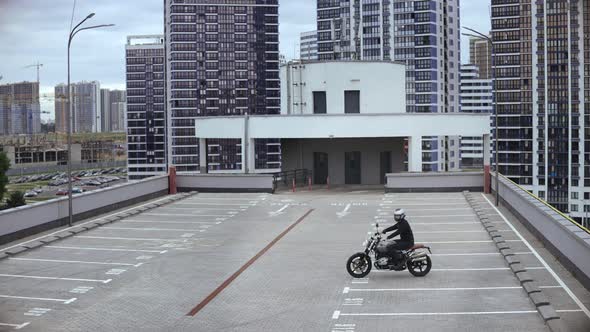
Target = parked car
(62,192)
(77,190)
(38,190)
(30,194)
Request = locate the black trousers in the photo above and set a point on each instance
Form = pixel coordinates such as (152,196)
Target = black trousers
(394,246)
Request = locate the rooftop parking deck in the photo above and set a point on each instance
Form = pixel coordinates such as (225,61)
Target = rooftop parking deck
(259,262)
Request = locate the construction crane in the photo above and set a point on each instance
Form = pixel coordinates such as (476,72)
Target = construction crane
(38,65)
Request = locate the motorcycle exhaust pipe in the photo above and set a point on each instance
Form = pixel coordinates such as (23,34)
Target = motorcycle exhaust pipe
(419,259)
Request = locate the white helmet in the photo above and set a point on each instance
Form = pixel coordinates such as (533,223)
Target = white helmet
(399,214)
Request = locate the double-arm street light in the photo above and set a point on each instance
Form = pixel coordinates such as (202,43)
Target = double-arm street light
(73,33)
(478,35)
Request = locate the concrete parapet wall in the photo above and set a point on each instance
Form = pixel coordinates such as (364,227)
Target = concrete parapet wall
(434,182)
(567,241)
(224,182)
(30,219)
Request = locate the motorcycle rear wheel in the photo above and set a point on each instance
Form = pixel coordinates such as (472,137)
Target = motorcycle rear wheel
(420,269)
(359,265)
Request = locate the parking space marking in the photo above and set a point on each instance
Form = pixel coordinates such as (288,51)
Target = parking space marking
(64,301)
(187,215)
(343,327)
(65,261)
(107,249)
(481,254)
(81,290)
(16,326)
(169,222)
(126,238)
(337,314)
(37,312)
(222,204)
(471,269)
(451,232)
(426,204)
(347,290)
(443,215)
(85,223)
(448,223)
(55,278)
(541,260)
(467,241)
(115,271)
(153,229)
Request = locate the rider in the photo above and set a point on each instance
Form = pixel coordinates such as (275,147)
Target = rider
(401,228)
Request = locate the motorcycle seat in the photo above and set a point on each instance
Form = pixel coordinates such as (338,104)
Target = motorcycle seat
(417,246)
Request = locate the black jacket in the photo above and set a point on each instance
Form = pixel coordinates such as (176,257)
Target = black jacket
(402,229)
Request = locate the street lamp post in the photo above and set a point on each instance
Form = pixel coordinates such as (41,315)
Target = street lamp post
(481,36)
(73,33)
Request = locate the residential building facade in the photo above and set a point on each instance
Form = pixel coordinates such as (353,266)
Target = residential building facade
(543,69)
(20,111)
(145,106)
(222,59)
(308,45)
(113,120)
(425,35)
(480,54)
(86,107)
(476,97)
(354,29)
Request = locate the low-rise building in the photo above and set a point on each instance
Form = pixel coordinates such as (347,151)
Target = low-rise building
(343,121)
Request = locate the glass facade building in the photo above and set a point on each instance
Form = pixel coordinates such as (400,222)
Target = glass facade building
(20,111)
(542,55)
(222,60)
(146,111)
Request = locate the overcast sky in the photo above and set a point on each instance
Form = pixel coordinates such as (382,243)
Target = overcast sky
(37,30)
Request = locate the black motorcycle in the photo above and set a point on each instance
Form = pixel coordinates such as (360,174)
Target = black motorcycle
(415,259)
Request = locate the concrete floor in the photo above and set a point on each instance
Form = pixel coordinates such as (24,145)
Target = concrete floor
(149,271)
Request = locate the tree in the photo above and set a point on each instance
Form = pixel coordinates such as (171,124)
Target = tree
(15,199)
(4,166)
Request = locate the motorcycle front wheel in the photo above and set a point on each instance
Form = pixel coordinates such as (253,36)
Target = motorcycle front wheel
(420,268)
(359,265)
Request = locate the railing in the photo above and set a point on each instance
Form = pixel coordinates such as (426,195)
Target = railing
(301,176)
(548,205)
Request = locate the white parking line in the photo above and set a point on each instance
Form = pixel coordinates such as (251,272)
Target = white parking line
(64,301)
(224,204)
(128,238)
(555,276)
(409,211)
(442,216)
(427,204)
(473,269)
(448,223)
(82,224)
(480,254)
(204,208)
(465,313)
(154,229)
(475,241)
(54,278)
(107,249)
(75,262)
(434,289)
(169,222)
(451,232)
(187,215)
(16,326)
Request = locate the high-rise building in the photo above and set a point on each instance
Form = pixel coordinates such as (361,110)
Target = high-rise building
(480,54)
(542,71)
(308,45)
(476,97)
(354,29)
(86,107)
(222,59)
(110,110)
(425,35)
(146,106)
(20,111)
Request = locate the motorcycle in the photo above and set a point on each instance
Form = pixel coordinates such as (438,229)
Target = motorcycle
(415,259)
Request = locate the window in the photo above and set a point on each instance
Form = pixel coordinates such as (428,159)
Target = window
(319,102)
(574,195)
(352,101)
(542,194)
(574,208)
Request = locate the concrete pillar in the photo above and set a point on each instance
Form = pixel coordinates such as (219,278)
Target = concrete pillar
(415,154)
(486,164)
(251,156)
(244,155)
(203,155)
